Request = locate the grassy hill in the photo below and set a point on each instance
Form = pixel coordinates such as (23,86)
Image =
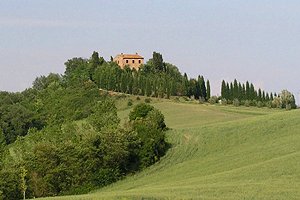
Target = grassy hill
(218,153)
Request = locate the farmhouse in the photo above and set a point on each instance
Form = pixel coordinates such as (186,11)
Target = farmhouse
(132,60)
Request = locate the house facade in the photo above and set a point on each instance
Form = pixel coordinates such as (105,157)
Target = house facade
(134,61)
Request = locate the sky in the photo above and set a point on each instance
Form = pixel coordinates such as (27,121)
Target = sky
(257,40)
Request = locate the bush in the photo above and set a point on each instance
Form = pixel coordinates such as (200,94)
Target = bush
(138,98)
(259,104)
(224,101)
(213,100)
(147,100)
(186,98)
(140,111)
(201,100)
(130,102)
(149,125)
(236,102)
(247,103)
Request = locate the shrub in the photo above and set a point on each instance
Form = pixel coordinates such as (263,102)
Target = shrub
(140,111)
(259,104)
(149,125)
(224,101)
(247,103)
(147,100)
(186,98)
(213,100)
(129,103)
(138,98)
(236,102)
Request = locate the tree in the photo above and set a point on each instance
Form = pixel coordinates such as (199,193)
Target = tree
(203,92)
(158,62)
(149,125)
(140,111)
(235,89)
(23,185)
(248,91)
(105,115)
(224,90)
(208,89)
(2,144)
(287,99)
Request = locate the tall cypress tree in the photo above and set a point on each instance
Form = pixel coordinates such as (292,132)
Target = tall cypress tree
(203,88)
(259,96)
(186,85)
(231,93)
(271,96)
(263,96)
(227,91)
(208,89)
(235,89)
(267,97)
(252,92)
(243,92)
(224,90)
(247,91)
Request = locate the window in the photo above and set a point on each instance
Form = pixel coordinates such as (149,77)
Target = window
(132,61)
(139,61)
(126,61)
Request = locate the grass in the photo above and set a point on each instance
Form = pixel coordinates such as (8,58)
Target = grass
(218,153)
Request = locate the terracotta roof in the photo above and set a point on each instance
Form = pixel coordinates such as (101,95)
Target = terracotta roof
(131,56)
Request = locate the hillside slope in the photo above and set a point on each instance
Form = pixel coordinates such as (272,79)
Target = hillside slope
(219,153)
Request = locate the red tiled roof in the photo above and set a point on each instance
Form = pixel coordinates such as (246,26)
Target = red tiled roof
(131,56)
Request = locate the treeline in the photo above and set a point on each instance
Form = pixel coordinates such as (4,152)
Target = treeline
(156,78)
(238,93)
(62,136)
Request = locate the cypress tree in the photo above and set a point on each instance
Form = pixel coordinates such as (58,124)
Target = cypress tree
(259,97)
(148,88)
(235,89)
(203,88)
(231,93)
(240,91)
(208,89)
(227,91)
(271,96)
(247,91)
(244,92)
(267,97)
(186,85)
(224,90)
(252,92)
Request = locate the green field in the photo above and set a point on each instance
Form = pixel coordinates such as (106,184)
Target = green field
(218,152)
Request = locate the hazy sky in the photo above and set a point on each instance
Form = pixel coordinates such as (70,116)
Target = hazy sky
(255,40)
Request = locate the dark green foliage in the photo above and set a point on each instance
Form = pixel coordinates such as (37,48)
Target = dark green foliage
(245,94)
(9,184)
(155,78)
(104,115)
(208,89)
(149,124)
(147,100)
(140,111)
(130,102)
(18,114)
(158,62)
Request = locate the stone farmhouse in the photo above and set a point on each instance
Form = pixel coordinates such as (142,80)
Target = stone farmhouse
(132,60)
